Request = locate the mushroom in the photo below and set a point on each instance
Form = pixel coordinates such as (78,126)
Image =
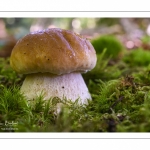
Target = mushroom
(53,60)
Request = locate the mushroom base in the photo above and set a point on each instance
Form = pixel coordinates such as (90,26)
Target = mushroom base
(70,86)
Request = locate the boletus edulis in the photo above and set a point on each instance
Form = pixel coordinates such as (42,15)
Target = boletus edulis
(53,60)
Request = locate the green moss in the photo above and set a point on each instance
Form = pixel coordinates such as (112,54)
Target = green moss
(7,75)
(112,45)
(117,105)
(146,40)
(137,57)
(120,101)
(103,70)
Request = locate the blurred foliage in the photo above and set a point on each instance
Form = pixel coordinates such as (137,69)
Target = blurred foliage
(107,21)
(17,22)
(138,57)
(146,39)
(22,26)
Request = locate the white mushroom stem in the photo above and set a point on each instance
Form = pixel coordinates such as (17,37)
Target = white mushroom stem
(70,86)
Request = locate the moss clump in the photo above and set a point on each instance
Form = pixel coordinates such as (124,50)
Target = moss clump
(112,45)
(138,57)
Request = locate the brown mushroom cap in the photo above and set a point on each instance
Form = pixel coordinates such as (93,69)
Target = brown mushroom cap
(53,50)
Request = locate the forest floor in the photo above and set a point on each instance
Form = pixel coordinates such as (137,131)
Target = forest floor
(120,89)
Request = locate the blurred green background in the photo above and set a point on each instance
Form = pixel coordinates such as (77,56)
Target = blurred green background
(21,26)
(129,31)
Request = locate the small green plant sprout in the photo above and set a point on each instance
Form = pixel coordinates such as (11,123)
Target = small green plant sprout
(53,60)
(110,43)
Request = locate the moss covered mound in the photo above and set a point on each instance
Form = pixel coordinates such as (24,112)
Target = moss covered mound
(110,43)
